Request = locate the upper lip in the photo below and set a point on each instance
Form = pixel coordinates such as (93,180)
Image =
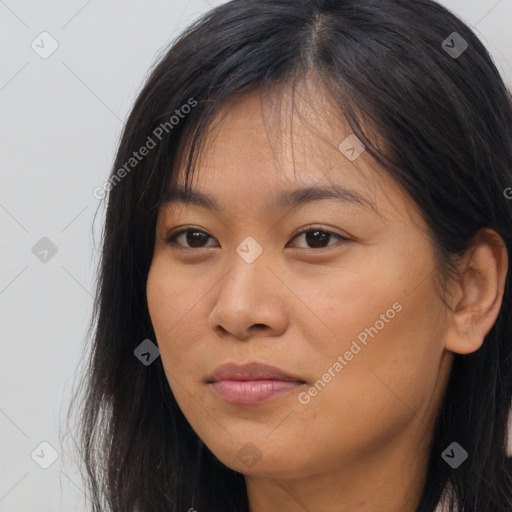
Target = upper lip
(250,371)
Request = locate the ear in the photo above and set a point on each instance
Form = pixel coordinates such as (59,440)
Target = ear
(477,296)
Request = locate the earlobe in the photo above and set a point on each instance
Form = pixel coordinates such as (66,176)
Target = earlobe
(478,294)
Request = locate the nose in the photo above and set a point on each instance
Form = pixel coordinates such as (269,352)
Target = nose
(250,301)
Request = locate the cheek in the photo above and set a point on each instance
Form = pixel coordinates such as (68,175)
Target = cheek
(170,298)
(399,363)
(174,301)
(386,322)
(384,383)
(168,301)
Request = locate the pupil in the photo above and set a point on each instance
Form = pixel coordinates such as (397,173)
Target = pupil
(191,240)
(314,240)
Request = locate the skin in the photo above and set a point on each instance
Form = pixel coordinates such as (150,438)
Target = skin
(360,444)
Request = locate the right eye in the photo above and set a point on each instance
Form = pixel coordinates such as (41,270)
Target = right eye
(194,237)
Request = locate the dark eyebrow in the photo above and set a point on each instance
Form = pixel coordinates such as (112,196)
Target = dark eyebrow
(287,199)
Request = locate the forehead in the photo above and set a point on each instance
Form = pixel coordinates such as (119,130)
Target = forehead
(283,149)
(284,131)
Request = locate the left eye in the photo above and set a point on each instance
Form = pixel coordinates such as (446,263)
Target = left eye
(317,237)
(195,238)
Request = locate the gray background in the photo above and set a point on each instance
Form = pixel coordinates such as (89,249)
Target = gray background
(61,119)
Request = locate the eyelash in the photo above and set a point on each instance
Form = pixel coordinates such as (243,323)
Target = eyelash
(172,237)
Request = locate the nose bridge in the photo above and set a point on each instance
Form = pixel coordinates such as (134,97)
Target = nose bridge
(247,277)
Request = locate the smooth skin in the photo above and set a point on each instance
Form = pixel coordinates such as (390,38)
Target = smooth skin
(361,443)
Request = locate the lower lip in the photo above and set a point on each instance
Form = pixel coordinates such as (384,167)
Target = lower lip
(249,392)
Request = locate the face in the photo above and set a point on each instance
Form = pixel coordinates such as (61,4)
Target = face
(335,292)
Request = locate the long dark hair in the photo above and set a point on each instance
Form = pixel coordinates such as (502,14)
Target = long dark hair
(443,115)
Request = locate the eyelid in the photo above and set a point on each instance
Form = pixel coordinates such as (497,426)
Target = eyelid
(318,227)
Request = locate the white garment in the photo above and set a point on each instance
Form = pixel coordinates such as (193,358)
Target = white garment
(443,503)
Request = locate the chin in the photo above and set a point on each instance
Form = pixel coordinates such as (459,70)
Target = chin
(251,461)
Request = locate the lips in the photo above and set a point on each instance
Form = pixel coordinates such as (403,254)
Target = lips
(251,371)
(251,383)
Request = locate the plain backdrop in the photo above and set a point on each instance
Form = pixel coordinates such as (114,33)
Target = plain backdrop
(61,118)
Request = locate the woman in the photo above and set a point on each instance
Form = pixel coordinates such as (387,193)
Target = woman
(322,321)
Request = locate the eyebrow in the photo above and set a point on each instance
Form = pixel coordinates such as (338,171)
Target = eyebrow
(286,199)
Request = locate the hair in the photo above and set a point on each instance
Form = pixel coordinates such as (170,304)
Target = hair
(445,135)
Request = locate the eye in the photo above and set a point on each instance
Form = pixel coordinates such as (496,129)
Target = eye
(317,237)
(195,238)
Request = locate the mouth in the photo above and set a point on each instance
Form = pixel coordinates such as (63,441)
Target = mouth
(251,383)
